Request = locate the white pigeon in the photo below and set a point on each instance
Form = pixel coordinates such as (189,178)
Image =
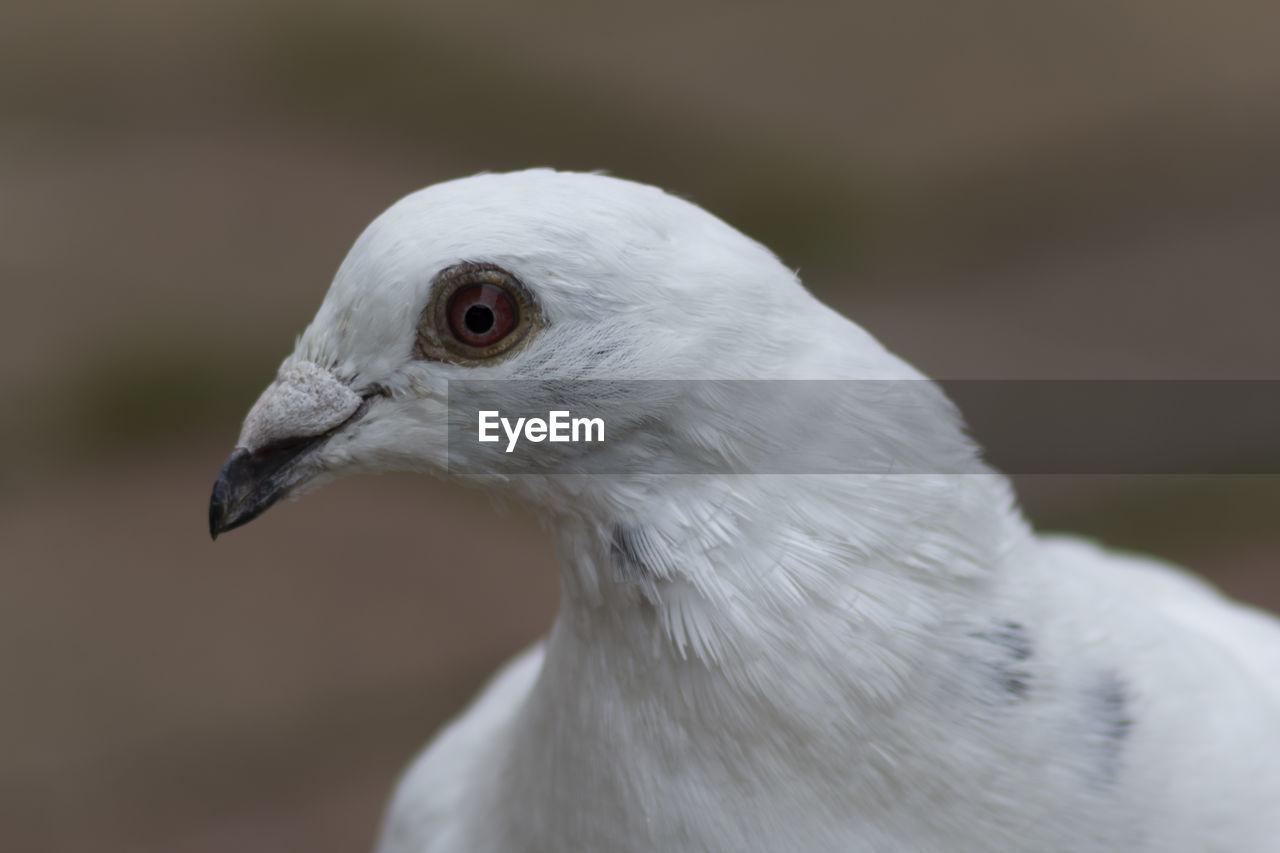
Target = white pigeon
(881,662)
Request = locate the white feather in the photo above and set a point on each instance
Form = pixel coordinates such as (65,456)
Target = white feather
(889,662)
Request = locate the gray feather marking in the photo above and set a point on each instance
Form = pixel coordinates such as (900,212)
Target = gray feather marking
(1109,724)
(1016,648)
(634,554)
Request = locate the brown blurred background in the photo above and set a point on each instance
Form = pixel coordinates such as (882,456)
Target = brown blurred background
(1072,188)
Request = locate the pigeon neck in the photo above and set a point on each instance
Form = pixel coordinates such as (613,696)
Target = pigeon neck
(779,628)
(722,570)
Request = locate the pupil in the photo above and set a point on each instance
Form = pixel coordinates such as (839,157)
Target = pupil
(478,319)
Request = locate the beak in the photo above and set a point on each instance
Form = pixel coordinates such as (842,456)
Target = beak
(297,413)
(250,482)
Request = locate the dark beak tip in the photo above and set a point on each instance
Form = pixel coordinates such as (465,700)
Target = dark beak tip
(217,508)
(247,486)
(223,500)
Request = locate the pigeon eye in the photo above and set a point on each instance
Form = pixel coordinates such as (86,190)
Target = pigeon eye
(476,312)
(481,314)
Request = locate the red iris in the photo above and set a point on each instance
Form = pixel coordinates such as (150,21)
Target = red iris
(481,314)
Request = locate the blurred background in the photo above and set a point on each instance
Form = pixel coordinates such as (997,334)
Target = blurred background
(1071,188)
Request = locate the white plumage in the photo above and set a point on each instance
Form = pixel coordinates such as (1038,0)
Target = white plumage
(881,663)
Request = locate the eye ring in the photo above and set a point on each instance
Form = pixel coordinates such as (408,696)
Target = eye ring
(476,313)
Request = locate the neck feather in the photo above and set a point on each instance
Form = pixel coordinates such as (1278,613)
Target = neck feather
(733,575)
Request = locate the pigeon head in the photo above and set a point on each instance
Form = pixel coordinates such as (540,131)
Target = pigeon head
(532,276)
